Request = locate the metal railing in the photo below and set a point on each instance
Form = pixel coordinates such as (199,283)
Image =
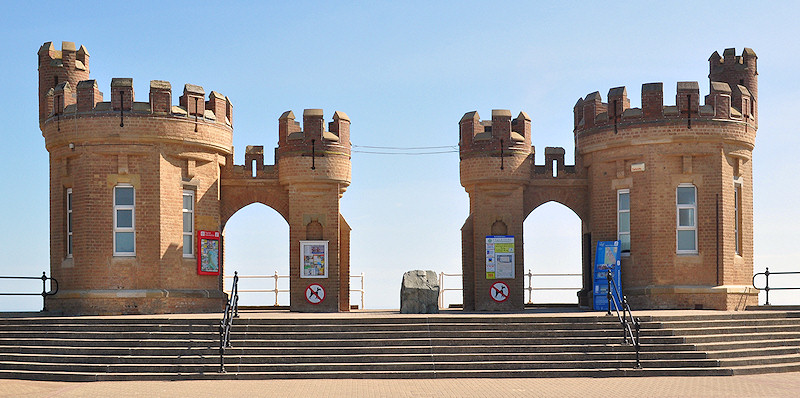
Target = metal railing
(443,289)
(766,287)
(276,290)
(44,278)
(275,278)
(625,317)
(529,285)
(231,311)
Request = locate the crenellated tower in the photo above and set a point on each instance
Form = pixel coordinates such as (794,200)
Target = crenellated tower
(131,183)
(673,183)
(136,186)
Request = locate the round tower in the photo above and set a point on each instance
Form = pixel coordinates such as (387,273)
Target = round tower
(131,185)
(496,164)
(674,184)
(313,163)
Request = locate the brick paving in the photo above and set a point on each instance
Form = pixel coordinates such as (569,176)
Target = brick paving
(768,385)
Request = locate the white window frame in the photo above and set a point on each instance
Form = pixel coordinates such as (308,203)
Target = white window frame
(678,226)
(132,228)
(69,242)
(737,214)
(184,210)
(621,192)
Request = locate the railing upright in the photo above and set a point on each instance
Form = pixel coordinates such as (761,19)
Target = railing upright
(231,311)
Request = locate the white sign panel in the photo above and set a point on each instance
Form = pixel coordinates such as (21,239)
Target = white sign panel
(313,258)
(500,257)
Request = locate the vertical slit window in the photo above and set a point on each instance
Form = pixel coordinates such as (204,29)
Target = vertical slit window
(624,220)
(69,222)
(188,223)
(686,230)
(124,221)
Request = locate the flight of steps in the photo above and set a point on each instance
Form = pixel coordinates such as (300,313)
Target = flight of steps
(396,346)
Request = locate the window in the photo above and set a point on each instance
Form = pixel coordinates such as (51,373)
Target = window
(686,230)
(737,214)
(124,217)
(188,223)
(624,220)
(69,222)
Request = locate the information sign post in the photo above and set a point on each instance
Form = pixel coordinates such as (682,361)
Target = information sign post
(606,260)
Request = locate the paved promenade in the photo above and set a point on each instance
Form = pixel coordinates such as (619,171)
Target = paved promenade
(769,385)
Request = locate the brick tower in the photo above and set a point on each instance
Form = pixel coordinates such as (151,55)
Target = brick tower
(672,183)
(133,185)
(124,177)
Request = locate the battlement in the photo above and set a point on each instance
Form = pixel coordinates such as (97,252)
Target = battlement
(312,135)
(733,82)
(67,57)
(499,134)
(86,99)
(723,103)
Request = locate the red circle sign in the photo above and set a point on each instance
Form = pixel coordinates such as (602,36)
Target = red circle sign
(315,293)
(499,292)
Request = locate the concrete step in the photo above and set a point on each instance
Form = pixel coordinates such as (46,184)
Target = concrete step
(462,345)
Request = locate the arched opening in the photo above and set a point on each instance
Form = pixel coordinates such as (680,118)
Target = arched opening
(257,244)
(552,246)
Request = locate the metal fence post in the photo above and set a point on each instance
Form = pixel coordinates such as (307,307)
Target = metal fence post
(276,287)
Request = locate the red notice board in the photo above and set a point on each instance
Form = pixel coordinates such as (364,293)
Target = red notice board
(208,252)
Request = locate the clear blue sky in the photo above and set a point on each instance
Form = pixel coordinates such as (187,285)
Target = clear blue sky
(405,72)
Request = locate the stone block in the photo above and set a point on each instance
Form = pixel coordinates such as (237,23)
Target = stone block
(419,293)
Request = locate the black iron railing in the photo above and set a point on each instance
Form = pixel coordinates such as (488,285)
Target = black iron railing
(231,311)
(766,287)
(44,278)
(630,325)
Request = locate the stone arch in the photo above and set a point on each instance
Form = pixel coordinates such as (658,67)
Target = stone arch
(548,249)
(574,198)
(234,197)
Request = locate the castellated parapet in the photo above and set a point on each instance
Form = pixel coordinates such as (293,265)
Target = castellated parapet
(642,155)
(132,183)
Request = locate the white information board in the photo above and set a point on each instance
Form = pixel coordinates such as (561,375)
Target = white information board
(313,258)
(500,257)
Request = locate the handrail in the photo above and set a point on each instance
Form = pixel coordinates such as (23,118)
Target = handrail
(766,287)
(231,311)
(44,292)
(626,318)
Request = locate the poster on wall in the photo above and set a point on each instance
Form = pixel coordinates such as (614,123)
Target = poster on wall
(313,258)
(208,252)
(500,257)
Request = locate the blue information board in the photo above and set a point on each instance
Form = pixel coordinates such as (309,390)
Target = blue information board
(606,259)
